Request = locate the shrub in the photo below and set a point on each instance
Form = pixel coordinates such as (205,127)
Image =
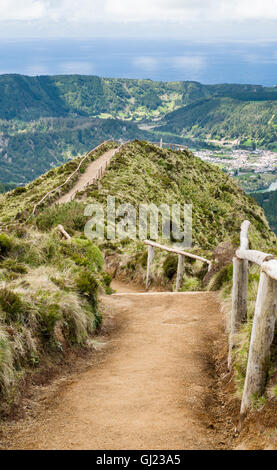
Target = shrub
(191,284)
(170,266)
(14,308)
(5,244)
(83,253)
(49,316)
(222,277)
(107,278)
(14,266)
(87,285)
(70,215)
(19,190)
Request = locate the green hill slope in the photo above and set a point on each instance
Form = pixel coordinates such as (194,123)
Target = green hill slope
(46,119)
(29,98)
(252,123)
(142,172)
(48,287)
(30,149)
(268,201)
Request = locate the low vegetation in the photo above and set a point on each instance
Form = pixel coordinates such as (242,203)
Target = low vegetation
(17,205)
(48,302)
(49,287)
(219,207)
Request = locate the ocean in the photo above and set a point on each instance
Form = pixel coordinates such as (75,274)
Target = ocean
(165,60)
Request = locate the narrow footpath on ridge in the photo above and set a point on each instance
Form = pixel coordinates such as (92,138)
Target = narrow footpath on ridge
(88,175)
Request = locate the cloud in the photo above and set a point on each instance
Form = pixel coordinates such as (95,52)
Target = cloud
(146,63)
(179,11)
(184,11)
(36,69)
(194,63)
(140,18)
(77,67)
(18,10)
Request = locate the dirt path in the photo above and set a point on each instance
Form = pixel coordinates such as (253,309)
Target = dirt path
(90,173)
(151,388)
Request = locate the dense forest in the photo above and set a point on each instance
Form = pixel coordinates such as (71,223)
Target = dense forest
(29,98)
(30,149)
(252,123)
(268,201)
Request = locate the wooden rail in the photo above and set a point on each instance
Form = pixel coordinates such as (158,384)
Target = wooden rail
(70,176)
(100,172)
(264,316)
(181,261)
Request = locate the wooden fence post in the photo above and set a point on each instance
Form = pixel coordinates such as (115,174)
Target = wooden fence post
(239,301)
(151,251)
(240,290)
(180,271)
(261,340)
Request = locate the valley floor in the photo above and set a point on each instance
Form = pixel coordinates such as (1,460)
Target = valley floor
(153,385)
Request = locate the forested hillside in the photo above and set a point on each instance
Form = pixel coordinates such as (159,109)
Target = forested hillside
(251,123)
(268,201)
(47,119)
(29,98)
(29,149)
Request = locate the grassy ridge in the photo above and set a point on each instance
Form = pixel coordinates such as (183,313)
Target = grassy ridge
(49,287)
(143,173)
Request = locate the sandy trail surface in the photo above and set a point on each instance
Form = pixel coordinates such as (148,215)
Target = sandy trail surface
(91,172)
(151,388)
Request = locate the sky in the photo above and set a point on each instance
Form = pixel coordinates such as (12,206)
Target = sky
(230,19)
(194,36)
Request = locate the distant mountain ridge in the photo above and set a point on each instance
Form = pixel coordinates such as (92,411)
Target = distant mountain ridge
(27,98)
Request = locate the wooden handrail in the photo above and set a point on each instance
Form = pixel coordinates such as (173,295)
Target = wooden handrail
(270,268)
(100,173)
(264,319)
(177,252)
(181,256)
(70,176)
(253,256)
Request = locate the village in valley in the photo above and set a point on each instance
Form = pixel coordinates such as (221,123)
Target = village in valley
(256,170)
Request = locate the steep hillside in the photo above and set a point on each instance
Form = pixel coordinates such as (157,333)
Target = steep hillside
(28,150)
(48,287)
(29,98)
(268,201)
(251,123)
(143,173)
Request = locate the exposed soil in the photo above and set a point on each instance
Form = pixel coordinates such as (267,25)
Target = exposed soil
(91,172)
(153,385)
